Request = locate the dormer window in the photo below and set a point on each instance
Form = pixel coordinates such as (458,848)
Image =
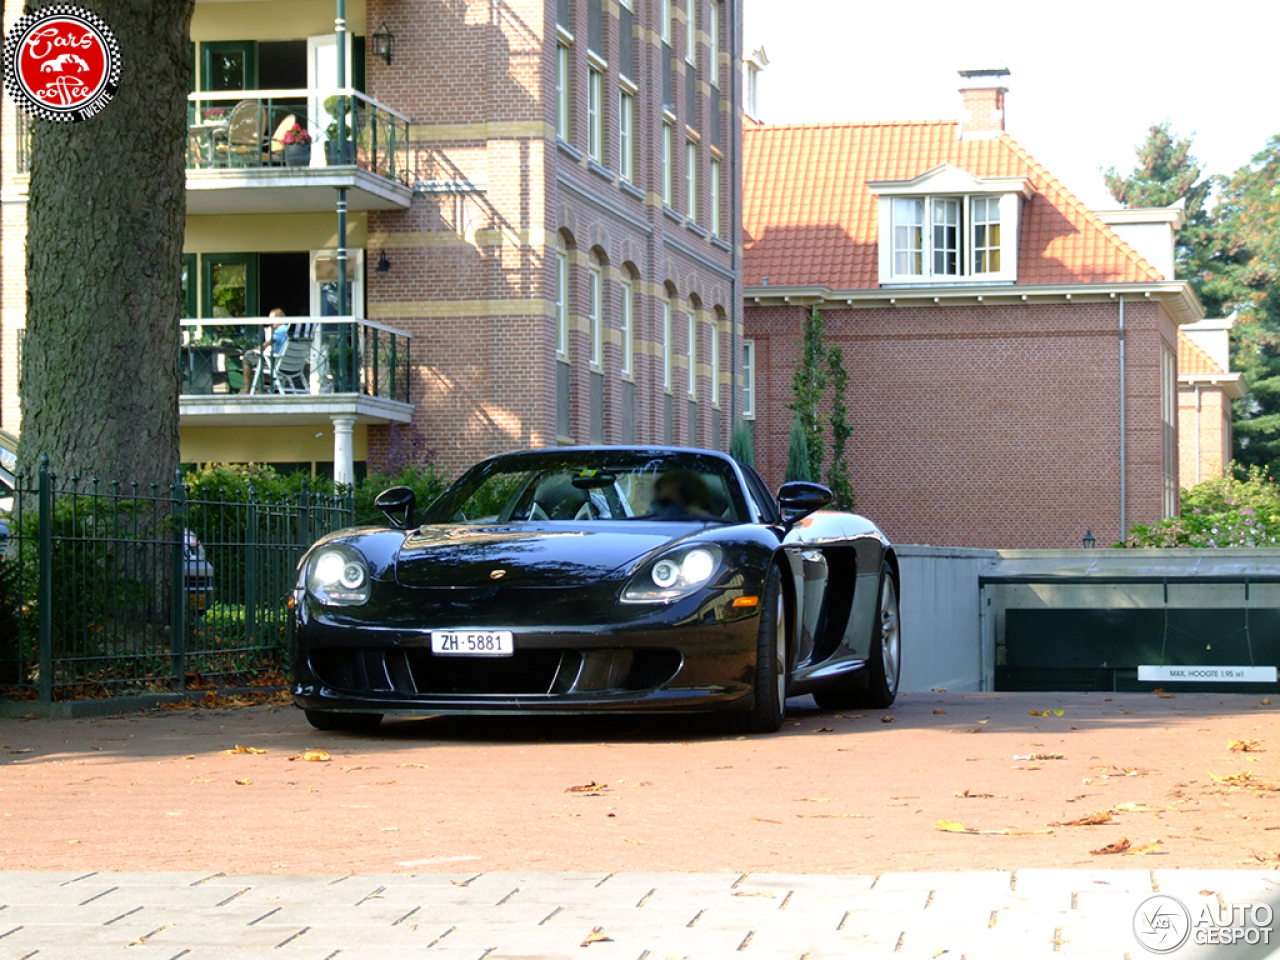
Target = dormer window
(946,226)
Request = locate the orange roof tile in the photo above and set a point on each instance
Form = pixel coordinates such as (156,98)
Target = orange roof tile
(1192,359)
(809,218)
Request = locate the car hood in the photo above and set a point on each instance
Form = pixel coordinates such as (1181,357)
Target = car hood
(527,555)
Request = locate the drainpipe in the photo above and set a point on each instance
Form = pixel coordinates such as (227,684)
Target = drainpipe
(1124,528)
(735,159)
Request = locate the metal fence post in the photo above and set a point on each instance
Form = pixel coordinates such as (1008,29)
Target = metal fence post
(178,591)
(44,578)
(251,567)
(304,515)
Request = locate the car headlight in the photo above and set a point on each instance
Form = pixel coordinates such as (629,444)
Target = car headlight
(338,577)
(674,575)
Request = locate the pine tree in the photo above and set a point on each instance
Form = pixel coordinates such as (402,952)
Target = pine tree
(742,444)
(798,454)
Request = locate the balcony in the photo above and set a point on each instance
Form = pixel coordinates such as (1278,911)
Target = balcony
(242,156)
(238,161)
(342,367)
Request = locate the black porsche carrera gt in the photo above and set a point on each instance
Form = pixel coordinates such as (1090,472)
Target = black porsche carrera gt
(598,579)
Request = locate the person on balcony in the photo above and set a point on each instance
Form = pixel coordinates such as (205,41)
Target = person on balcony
(273,343)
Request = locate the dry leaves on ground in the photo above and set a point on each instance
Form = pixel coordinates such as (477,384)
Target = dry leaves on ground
(597,935)
(591,788)
(954,826)
(1046,713)
(240,749)
(1040,756)
(1120,846)
(1244,746)
(1093,819)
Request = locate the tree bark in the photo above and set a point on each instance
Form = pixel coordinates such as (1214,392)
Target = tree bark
(106,218)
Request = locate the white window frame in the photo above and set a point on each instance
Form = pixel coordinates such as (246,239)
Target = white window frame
(665,14)
(562,303)
(668,172)
(691,33)
(595,115)
(948,188)
(713,36)
(627,323)
(714,330)
(666,343)
(749,379)
(562,91)
(691,323)
(626,135)
(595,311)
(715,197)
(691,181)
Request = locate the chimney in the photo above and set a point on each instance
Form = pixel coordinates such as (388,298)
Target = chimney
(983,94)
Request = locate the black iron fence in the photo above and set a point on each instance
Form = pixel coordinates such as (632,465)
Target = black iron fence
(109,588)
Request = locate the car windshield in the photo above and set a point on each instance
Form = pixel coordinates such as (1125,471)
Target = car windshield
(594,485)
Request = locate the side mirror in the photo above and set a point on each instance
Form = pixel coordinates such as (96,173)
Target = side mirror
(397,505)
(799,498)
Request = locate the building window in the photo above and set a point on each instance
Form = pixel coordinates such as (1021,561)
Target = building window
(595,118)
(691,32)
(626,135)
(691,181)
(713,37)
(562,91)
(945,238)
(627,322)
(715,196)
(714,330)
(1169,428)
(562,303)
(666,343)
(665,15)
(691,322)
(595,314)
(749,378)
(668,145)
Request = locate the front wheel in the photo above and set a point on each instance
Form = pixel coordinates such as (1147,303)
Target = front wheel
(349,722)
(876,686)
(770,704)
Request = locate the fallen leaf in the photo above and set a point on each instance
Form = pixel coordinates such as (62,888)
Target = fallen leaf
(591,787)
(596,936)
(1207,893)
(1266,701)
(888,719)
(824,730)
(422,765)
(813,799)
(638,843)
(315,756)
(753,893)
(1244,746)
(244,783)
(1120,846)
(1243,777)
(240,749)
(1155,846)
(756,819)
(966,730)
(1103,816)
(350,769)
(955,826)
(976,796)
(1040,756)
(939,711)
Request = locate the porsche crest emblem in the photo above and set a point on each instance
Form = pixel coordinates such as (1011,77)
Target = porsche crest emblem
(497,574)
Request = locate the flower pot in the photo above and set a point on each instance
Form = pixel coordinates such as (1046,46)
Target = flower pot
(297,154)
(339,157)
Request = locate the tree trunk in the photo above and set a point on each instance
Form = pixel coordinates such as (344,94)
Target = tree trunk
(106,217)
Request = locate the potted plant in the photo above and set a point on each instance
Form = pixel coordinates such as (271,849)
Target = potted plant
(346,153)
(297,146)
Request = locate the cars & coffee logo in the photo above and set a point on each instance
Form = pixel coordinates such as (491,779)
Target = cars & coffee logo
(61,63)
(1162,924)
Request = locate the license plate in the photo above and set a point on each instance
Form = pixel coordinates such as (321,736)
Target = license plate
(473,643)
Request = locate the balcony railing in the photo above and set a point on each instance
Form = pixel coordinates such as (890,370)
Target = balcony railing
(262,128)
(330,355)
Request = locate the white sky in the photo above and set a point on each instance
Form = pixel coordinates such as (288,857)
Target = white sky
(1087,76)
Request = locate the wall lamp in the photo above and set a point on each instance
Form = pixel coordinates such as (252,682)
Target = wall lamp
(384,43)
(1089,541)
(384,265)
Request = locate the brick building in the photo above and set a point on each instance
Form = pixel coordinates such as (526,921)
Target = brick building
(1012,359)
(543,199)
(1206,387)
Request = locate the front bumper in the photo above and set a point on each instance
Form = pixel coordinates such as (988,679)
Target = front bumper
(683,658)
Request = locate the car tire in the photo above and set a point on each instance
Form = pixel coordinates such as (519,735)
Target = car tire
(876,686)
(769,705)
(350,722)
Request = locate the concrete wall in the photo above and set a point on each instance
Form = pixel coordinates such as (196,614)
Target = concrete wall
(941,624)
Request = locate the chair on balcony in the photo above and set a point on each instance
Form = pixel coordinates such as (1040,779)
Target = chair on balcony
(289,367)
(245,141)
(275,145)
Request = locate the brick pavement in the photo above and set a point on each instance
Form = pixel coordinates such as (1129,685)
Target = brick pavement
(645,916)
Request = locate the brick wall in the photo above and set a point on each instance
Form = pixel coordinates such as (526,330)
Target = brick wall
(1204,433)
(983,426)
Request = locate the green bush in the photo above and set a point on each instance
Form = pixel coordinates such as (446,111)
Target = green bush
(798,454)
(742,444)
(425,482)
(1240,509)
